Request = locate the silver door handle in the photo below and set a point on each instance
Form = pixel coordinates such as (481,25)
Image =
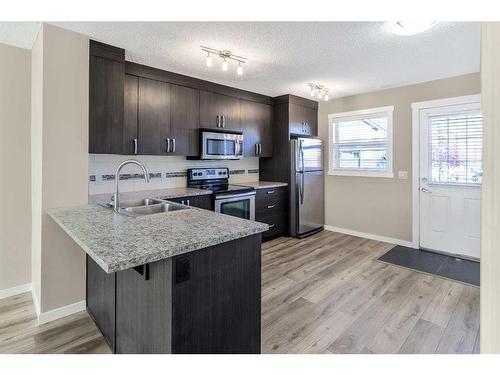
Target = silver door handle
(217,123)
(135,146)
(188,203)
(271,225)
(256,149)
(182,201)
(271,206)
(168,144)
(424,190)
(270,192)
(223,121)
(260,148)
(173,144)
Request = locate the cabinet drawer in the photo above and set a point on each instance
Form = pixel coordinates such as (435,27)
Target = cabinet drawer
(270,196)
(276,224)
(265,209)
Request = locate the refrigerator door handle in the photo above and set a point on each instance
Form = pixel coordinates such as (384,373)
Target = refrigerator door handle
(301,150)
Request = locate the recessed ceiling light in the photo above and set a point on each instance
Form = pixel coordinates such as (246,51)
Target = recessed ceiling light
(410,27)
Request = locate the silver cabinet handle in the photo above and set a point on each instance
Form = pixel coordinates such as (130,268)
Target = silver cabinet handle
(271,192)
(168,144)
(189,204)
(271,206)
(218,121)
(424,190)
(223,121)
(256,149)
(173,144)
(182,201)
(260,148)
(135,146)
(271,225)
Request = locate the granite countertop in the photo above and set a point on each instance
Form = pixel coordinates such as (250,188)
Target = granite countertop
(117,242)
(158,194)
(263,184)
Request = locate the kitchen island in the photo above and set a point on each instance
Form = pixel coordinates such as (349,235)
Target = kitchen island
(185,281)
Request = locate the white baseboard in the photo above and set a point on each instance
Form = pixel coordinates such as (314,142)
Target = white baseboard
(395,241)
(5,293)
(61,312)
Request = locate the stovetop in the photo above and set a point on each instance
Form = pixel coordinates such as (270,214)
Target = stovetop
(225,188)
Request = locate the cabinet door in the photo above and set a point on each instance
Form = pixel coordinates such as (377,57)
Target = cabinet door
(130,115)
(257,131)
(311,119)
(297,119)
(185,120)
(105,105)
(154,116)
(213,105)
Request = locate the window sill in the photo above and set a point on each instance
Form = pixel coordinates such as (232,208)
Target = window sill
(357,173)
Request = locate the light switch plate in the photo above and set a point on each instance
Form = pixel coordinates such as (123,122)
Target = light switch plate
(403,175)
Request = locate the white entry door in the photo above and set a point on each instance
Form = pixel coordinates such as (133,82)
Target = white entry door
(450,178)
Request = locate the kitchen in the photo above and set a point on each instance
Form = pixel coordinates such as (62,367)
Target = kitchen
(175,214)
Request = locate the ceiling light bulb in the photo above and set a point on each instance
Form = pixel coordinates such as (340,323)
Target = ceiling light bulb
(411,27)
(240,69)
(209,60)
(326,97)
(224,65)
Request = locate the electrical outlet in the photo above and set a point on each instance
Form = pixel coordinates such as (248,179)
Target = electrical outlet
(403,175)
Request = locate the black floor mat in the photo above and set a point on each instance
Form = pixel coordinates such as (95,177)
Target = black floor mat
(463,270)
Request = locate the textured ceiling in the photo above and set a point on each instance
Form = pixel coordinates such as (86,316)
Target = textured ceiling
(347,57)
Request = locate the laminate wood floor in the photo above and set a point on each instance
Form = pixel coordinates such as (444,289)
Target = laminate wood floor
(323,294)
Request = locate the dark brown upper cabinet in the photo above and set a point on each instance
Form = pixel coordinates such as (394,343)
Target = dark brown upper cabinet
(106,85)
(131,110)
(184,120)
(303,120)
(153,117)
(256,122)
(219,111)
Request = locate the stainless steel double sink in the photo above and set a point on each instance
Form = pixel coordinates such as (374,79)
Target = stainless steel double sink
(146,206)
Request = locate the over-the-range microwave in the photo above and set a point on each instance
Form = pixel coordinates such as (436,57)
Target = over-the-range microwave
(218,144)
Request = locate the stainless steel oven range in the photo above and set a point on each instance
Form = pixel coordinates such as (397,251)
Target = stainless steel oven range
(229,199)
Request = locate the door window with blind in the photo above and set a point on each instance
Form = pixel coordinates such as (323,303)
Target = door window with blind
(455,148)
(361,143)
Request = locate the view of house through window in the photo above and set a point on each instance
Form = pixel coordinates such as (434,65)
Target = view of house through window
(456,144)
(362,142)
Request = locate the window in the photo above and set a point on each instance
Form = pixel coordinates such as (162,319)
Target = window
(361,143)
(455,148)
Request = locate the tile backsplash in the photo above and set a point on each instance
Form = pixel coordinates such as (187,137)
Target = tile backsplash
(164,172)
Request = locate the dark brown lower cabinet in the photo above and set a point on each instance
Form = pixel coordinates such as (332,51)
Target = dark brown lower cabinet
(271,207)
(205,301)
(199,201)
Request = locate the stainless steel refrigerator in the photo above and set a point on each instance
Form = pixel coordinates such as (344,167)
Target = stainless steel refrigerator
(307,206)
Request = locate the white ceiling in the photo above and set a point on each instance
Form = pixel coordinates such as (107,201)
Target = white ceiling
(347,57)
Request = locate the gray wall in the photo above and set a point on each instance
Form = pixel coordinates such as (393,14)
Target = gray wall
(15,221)
(375,205)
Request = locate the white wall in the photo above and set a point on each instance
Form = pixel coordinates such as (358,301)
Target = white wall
(15,222)
(60,161)
(246,170)
(490,192)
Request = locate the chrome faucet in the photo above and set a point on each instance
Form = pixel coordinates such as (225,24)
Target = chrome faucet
(116,196)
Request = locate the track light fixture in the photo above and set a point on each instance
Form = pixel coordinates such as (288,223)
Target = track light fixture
(320,91)
(225,55)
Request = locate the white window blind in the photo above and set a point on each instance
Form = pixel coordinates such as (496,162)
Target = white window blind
(362,143)
(456,147)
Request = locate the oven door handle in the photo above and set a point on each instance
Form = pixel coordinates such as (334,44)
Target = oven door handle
(243,195)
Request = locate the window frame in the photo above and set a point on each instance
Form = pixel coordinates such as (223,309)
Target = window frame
(333,118)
